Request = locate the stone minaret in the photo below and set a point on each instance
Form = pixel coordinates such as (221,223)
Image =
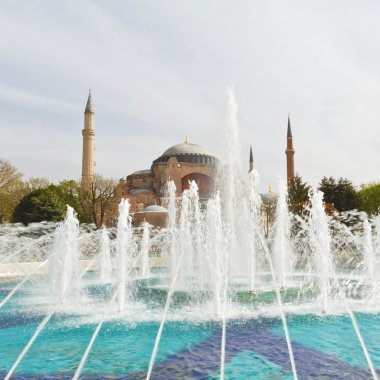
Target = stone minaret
(251,166)
(88,154)
(289,153)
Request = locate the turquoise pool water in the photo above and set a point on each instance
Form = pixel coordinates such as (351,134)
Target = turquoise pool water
(325,347)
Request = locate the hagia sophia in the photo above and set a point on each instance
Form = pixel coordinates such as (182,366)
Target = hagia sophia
(181,163)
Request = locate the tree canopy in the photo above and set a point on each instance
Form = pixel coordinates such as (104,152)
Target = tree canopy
(298,194)
(340,194)
(369,198)
(71,194)
(40,205)
(97,201)
(49,204)
(10,188)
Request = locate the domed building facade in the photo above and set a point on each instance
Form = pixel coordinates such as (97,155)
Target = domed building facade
(180,163)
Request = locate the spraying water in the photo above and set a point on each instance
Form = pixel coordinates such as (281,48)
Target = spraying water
(64,260)
(369,254)
(377,235)
(123,244)
(197,231)
(144,250)
(183,225)
(282,252)
(319,225)
(216,248)
(68,229)
(185,239)
(260,234)
(172,219)
(254,207)
(212,253)
(320,238)
(100,324)
(377,248)
(105,267)
(230,182)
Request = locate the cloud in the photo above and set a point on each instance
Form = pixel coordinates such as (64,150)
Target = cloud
(160,69)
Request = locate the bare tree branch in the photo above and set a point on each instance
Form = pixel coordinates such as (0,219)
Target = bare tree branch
(98,199)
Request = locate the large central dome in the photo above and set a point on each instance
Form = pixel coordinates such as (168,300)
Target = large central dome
(187,152)
(186,148)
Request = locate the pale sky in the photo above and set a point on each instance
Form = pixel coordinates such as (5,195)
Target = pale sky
(159,69)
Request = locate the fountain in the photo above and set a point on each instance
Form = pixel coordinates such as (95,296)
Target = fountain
(320,239)
(144,250)
(64,259)
(105,266)
(369,254)
(254,209)
(282,250)
(207,296)
(123,250)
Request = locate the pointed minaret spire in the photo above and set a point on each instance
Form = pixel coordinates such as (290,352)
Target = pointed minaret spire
(88,153)
(289,153)
(289,134)
(89,105)
(251,166)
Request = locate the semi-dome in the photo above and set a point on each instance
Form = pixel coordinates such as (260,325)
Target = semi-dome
(269,197)
(155,208)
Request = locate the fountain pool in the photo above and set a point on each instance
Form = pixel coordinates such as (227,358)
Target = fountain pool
(207,297)
(324,347)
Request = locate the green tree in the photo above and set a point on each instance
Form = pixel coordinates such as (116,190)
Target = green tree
(71,194)
(10,189)
(369,198)
(49,204)
(341,194)
(40,205)
(298,195)
(13,189)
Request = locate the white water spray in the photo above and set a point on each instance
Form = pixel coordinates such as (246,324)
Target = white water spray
(172,220)
(216,249)
(105,267)
(368,250)
(254,217)
(123,245)
(282,254)
(144,250)
(321,240)
(64,260)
